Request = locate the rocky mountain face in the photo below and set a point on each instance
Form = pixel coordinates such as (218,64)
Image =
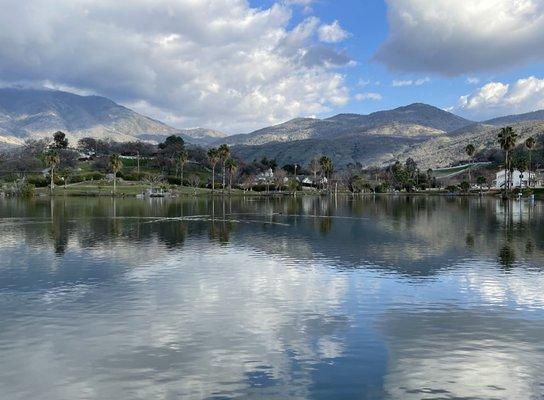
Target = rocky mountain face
(29,113)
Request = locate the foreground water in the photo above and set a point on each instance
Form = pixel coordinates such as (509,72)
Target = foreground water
(366,298)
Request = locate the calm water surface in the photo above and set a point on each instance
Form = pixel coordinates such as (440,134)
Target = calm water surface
(373,298)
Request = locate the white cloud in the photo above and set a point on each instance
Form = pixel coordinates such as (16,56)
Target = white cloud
(456,37)
(363,82)
(332,33)
(214,63)
(472,80)
(410,82)
(496,98)
(368,96)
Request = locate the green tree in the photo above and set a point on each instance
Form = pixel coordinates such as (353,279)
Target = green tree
(356,184)
(213,157)
(470,150)
(507,141)
(116,165)
(52,159)
(59,141)
(530,144)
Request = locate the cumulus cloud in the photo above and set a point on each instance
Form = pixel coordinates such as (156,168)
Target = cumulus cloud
(456,37)
(410,82)
(368,96)
(214,63)
(332,33)
(497,98)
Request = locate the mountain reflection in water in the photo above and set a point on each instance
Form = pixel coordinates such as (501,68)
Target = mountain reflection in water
(309,297)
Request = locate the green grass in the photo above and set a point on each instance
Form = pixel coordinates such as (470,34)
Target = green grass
(125,188)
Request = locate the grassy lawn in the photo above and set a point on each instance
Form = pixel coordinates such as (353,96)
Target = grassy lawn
(124,188)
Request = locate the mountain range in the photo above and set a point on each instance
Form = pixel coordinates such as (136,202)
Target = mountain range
(431,136)
(32,113)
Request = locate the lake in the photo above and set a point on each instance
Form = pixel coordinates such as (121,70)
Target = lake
(386,297)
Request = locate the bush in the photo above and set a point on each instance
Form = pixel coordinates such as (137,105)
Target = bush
(465,186)
(27,190)
(38,180)
(86,176)
(173,180)
(451,188)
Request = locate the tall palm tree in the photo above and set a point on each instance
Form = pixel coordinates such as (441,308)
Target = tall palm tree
(52,159)
(224,154)
(530,144)
(183,158)
(232,167)
(115,164)
(327,168)
(470,150)
(213,157)
(507,140)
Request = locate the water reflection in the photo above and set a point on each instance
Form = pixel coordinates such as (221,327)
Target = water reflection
(307,297)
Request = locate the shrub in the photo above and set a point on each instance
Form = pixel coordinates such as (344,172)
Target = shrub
(27,190)
(86,176)
(465,186)
(38,180)
(173,180)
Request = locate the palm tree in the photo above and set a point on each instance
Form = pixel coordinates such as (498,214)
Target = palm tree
(213,156)
(530,144)
(183,158)
(507,140)
(224,154)
(326,167)
(115,164)
(52,159)
(232,166)
(470,149)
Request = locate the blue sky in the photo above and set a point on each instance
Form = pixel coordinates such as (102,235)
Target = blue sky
(239,65)
(367,23)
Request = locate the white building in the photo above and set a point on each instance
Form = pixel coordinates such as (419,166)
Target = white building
(519,179)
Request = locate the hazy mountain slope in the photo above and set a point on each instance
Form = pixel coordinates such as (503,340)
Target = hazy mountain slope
(369,150)
(295,129)
(413,120)
(510,119)
(37,113)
